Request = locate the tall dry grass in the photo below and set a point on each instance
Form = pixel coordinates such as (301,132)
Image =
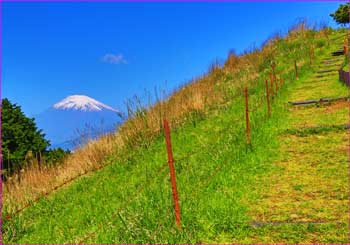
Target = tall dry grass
(144,123)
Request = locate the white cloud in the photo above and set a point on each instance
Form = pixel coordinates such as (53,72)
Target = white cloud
(115,59)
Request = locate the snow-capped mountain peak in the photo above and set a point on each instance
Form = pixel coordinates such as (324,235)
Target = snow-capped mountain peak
(82,103)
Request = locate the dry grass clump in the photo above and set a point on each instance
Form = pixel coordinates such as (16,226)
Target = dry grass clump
(33,181)
(144,123)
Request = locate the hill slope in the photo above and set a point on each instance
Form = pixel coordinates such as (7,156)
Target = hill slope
(224,186)
(306,195)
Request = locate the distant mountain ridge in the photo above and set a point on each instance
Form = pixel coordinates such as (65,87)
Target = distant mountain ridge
(76,119)
(83,103)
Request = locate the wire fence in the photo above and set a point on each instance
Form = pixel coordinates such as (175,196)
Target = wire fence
(260,100)
(239,94)
(254,102)
(274,86)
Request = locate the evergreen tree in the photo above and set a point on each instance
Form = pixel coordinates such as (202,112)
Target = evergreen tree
(56,156)
(20,136)
(341,15)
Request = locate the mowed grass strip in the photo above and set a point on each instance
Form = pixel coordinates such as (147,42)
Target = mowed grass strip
(321,114)
(307,201)
(130,201)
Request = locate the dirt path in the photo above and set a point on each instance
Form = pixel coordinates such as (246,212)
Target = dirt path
(307,201)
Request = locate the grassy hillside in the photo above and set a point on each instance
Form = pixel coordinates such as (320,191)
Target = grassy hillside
(306,195)
(229,191)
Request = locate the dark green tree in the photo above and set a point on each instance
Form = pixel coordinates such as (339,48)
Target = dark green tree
(341,15)
(19,136)
(55,156)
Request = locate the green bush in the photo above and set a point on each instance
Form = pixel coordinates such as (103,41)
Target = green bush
(341,15)
(19,136)
(55,156)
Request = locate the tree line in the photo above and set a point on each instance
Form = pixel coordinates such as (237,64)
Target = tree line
(23,143)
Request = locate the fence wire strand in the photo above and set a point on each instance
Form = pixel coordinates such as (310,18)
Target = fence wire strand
(202,148)
(177,161)
(257,106)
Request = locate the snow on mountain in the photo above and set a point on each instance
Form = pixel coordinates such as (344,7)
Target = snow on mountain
(77,116)
(83,103)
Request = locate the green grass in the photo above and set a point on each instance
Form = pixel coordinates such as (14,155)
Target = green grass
(223,187)
(309,181)
(324,115)
(212,184)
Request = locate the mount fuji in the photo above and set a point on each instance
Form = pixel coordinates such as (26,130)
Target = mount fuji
(76,119)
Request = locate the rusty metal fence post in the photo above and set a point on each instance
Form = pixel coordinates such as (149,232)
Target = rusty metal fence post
(296,70)
(345,47)
(271,85)
(247,116)
(311,54)
(276,83)
(281,81)
(268,98)
(172,172)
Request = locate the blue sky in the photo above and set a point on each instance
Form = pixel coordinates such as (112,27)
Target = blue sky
(112,51)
